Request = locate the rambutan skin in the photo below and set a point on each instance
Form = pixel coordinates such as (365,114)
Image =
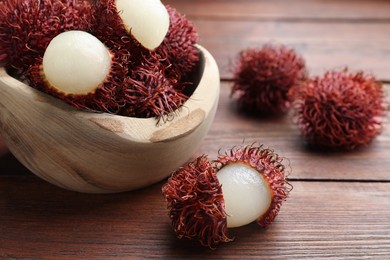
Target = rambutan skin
(340,110)
(195,203)
(263,77)
(267,163)
(178,50)
(27,27)
(149,93)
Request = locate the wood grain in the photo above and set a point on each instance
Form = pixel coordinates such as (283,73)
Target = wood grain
(339,207)
(314,10)
(232,128)
(337,220)
(324,46)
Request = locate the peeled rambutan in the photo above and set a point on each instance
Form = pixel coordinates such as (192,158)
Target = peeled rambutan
(340,110)
(27,27)
(134,25)
(263,77)
(77,68)
(205,198)
(177,50)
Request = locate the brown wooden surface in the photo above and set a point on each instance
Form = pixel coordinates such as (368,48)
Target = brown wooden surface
(340,205)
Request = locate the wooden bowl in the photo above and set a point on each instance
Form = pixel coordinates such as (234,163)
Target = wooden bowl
(99,152)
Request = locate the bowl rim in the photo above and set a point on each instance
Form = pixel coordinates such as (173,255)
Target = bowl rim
(185,119)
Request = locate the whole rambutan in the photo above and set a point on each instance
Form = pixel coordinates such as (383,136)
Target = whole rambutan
(27,27)
(205,198)
(178,52)
(263,77)
(149,93)
(340,110)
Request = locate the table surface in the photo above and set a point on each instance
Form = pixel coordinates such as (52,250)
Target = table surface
(340,204)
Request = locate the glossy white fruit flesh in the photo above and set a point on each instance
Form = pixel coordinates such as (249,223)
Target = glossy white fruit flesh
(245,192)
(76,62)
(146,20)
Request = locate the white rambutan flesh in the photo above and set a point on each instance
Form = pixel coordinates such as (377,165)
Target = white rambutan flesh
(146,20)
(246,193)
(76,62)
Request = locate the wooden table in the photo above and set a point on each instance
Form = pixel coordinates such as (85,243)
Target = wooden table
(340,205)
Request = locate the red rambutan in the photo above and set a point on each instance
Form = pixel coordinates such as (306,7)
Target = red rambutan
(340,110)
(263,77)
(148,93)
(205,198)
(27,27)
(178,51)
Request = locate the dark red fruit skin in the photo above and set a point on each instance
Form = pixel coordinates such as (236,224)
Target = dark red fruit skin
(263,77)
(340,110)
(27,27)
(267,163)
(149,93)
(178,51)
(195,202)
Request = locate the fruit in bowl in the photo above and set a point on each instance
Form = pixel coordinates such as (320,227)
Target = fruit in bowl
(131,125)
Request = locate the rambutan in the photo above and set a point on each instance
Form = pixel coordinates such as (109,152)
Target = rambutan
(123,24)
(148,93)
(263,77)
(205,198)
(340,110)
(27,27)
(178,51)
(77,68)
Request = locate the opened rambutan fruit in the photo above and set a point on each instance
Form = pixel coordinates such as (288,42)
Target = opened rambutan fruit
(27,27)
(340,110)
(263,77)
(77,68)
(175,47)
(205,198)
(119,22)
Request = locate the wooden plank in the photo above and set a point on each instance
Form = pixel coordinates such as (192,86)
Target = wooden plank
(230,128)
(285,10)
(324,46)
(319,220)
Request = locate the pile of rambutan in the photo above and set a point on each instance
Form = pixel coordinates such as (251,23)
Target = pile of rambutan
(340,110)
(148,49)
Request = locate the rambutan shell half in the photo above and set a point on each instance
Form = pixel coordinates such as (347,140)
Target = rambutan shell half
(195,203)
